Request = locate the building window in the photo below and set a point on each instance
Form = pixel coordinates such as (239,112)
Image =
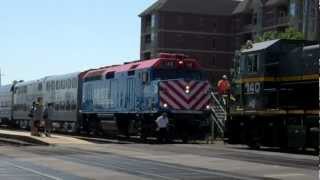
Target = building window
(147,39)
(213,43)
(153,37)
(180,20)
(153,20)
(214,26)
(202,21)
(255,18)
(147,55)
(148,21)
(213,61)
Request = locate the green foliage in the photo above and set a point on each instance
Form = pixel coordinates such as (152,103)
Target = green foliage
(289,33)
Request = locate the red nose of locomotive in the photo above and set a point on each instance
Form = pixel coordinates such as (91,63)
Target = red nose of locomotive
(184,95)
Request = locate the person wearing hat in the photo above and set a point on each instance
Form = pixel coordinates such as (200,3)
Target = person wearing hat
(162,127)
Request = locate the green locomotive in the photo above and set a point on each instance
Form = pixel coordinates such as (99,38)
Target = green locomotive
(276,85)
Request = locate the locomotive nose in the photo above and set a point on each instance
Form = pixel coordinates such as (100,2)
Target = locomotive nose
(184,95)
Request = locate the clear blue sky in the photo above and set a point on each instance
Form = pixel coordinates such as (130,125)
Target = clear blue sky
(45,37)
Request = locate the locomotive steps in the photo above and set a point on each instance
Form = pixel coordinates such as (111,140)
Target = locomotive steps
(24,138)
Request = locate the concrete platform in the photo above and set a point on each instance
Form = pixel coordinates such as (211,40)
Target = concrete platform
(53,140)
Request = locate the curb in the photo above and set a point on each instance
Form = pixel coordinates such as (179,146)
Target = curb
(21,139)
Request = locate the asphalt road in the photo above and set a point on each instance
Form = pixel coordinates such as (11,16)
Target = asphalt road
(142,161)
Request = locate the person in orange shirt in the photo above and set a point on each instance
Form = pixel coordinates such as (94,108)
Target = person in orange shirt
(224,85)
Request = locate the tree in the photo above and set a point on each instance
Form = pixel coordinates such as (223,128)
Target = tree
(289,33)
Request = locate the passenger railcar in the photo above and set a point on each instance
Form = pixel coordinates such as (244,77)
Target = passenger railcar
(277,90)
(24,94)
(5,104)
(63,92)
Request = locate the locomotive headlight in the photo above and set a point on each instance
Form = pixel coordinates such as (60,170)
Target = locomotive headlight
(165,105)
(187,87)
(208,107)
(180,62)
(187,91)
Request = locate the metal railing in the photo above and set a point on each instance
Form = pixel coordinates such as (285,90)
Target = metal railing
(218,116)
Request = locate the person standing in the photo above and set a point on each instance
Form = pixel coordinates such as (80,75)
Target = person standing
(47,117)
(31,115)
(37,116)
(162,124)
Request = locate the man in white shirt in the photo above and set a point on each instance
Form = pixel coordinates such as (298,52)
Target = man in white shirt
(162,124)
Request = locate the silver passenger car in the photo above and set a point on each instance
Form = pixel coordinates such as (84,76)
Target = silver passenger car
(5,103)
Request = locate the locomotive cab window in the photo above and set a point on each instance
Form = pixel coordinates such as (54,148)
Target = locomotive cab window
(252,63)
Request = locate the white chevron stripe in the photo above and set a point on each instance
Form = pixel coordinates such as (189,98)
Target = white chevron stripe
(179,89)
(198,96)
(177,98)
(196,89)
(169,101)
(203,102)
(181,92)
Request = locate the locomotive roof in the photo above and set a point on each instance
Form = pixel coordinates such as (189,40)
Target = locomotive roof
(121,68)
(261,46)
(136,65)
(271,43)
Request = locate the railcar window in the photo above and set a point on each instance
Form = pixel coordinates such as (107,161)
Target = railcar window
(131,73)
(74,83)
(69,83)
(40,87)
(57,85)
(48,86)
(168,64)
(53,87)
(252,63)
(164,74)
(110,75)
(93,78)
(62,84)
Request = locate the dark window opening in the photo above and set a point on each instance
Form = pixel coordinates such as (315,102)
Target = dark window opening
(131,73)
(213,43)
(255,19)
(93,78)
(110,75)
(134,66)
(213,61)
(147,39)
(147,55)
(214,26)
(40,87)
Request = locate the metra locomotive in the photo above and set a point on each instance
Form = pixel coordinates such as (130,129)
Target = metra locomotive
(277,89)
(123,98)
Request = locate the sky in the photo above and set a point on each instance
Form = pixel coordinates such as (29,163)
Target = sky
(47,37)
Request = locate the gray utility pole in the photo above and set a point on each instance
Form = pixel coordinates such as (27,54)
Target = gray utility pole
(310,19)
(306,18)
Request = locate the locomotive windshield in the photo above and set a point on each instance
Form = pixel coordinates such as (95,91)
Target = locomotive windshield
(165,74)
